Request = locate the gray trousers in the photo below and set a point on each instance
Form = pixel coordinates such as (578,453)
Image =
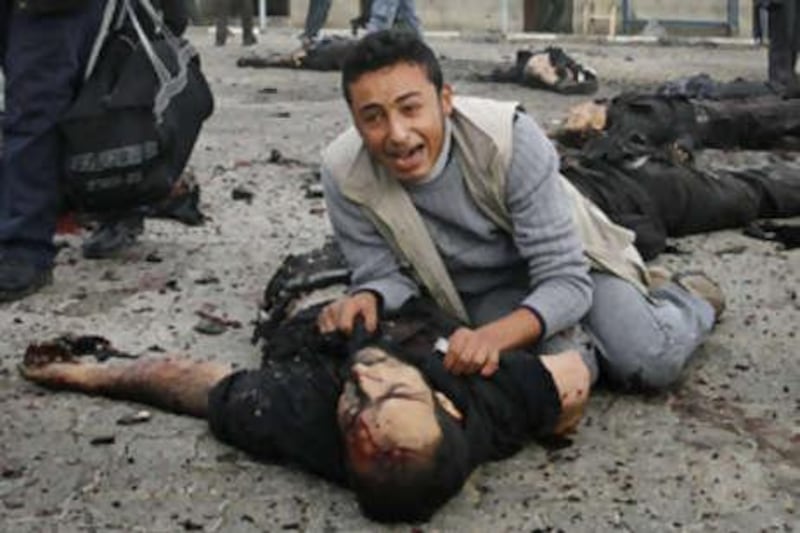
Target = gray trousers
(635,341)
(645,342)
(385,13)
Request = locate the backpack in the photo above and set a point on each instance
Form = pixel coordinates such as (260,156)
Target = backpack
(128,135)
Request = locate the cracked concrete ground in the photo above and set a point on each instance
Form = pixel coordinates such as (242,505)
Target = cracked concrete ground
(719,452)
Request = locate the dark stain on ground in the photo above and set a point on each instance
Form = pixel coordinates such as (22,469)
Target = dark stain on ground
(723,414)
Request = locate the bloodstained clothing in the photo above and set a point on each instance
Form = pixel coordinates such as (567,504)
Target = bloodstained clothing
(286,411)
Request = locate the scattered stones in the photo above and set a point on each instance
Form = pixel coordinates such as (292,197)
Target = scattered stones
(206,279)
(210,327)
(240,193)
(731,250)
(138,417)
(103,440)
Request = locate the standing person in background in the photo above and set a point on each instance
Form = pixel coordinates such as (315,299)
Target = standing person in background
(315,19)
(43,52)
(385,13)
(245,8)
(44,48)
(783,27)
(365,8)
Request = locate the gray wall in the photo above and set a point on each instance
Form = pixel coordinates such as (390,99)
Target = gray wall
(487,15)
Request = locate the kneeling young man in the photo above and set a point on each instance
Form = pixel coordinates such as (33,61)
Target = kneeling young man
(462,198)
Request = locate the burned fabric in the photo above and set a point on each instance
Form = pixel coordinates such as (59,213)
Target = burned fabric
(325,54)
(657,198)
(286,411)
(639,124)
(551,69)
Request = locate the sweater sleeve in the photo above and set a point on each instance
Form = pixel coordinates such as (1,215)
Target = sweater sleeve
(544,231)
(374,264)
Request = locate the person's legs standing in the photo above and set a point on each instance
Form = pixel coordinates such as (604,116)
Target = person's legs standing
(382,15)
(315,20)
(222,8)
(43,64)
(246,13)
(407,15)
(645,342)
(781,53)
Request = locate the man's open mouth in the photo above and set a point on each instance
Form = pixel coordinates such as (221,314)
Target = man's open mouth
(410,158)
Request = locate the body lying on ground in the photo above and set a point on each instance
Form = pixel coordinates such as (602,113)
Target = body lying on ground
(378,413)
(633,156)
(687,114)
(324,54)
(550,69)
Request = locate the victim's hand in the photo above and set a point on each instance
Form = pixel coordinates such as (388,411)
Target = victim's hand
(341,314)
(471,351)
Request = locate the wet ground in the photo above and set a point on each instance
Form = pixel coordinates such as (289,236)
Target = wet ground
(719,452)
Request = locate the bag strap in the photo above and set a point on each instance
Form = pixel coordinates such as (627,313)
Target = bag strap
(102,33)
(183,50)
(169,84)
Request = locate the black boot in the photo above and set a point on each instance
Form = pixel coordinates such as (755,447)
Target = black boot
(113,236)
(19,278)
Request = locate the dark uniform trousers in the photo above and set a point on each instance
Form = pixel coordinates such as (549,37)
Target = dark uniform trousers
(43,60)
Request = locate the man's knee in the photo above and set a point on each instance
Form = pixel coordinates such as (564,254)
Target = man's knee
(643,365)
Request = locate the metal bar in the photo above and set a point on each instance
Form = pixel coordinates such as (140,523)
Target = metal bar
(504,17)
(262,14)
(627,16)
(733,17)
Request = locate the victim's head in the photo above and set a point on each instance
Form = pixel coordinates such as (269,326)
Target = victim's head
(405,448)
(393,84)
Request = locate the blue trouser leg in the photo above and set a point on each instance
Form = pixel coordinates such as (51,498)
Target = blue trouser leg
(382,15)
(407,14)
(43,64)
(316,17)
(645,342)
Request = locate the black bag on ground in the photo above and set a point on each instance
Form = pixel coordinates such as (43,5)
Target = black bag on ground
(130,132)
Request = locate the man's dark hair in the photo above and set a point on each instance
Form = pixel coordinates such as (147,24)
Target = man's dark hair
(386,48)
(400,492)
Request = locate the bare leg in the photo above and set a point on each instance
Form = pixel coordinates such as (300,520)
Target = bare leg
(176,384)
(573,381)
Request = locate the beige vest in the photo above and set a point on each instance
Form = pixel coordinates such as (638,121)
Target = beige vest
(483,142)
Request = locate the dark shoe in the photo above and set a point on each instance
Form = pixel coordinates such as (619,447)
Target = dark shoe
(112,237)
(19,279)
(183,203)
(249,40)
(700,285)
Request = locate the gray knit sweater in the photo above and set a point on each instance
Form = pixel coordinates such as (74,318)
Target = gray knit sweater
(544,254)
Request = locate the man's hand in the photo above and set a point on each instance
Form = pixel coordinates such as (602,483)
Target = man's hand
(341,314)
(478,350)
(471,351)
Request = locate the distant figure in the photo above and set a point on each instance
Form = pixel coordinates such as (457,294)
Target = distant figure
(315,19)
(783,28)
(361,21)
(245,8)
(385,13)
